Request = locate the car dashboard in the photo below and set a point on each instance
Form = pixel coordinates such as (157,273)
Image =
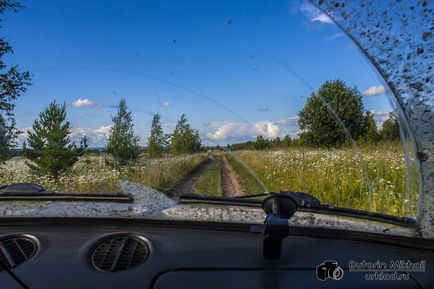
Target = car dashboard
(157,254)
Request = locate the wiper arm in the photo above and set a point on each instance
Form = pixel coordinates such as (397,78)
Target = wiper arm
(305,203)
(31,191)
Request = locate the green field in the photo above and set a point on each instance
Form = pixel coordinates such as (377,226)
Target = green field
(373,180)
(91,174)
(338,177)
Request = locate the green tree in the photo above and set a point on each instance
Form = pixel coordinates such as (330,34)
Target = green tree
(370,128)
(13,83)
(317,119)
(261,143)
(185,139)
(123,144)
(48,146)
(277,142)
(157,139)
(390,129)
(84,145)
(287,141)
(6,140)
(84,142)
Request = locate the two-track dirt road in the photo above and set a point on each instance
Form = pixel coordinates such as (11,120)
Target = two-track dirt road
(231,183)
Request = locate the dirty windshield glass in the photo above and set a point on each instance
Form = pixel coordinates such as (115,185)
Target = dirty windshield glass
(214,98)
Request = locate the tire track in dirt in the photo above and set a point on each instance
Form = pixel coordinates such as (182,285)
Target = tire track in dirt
(187,185)
(230,183)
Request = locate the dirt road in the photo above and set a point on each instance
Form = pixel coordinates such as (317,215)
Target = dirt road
(230,180)
(187,186)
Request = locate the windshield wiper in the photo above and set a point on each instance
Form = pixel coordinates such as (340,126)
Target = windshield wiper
(213,200)
(31,191)
(305,203)
(302,199)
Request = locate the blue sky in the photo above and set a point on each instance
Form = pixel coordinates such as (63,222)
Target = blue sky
(236,68)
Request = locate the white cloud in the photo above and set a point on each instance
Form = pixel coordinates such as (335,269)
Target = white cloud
(380,113)
(96,136)
(314,14)
(84,103)
(25,130)
(234,132)
(267,129)
(23,135)
(225,131)
(336,35)
(374,90)
(322,18)
(103,130)
(166,104)
(380,117)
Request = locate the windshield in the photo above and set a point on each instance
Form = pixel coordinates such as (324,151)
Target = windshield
(216,98)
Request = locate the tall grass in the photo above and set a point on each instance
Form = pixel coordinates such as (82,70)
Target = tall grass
(91,174)
(336,176)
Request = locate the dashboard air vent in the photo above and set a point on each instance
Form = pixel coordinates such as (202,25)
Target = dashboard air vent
(120,253)
(15,251)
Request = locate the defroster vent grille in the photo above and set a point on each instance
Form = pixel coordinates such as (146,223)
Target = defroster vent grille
(120,253)
(15,251)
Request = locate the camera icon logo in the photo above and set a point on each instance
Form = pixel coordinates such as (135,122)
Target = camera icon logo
(329,270)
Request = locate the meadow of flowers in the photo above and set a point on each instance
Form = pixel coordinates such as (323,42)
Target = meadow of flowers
(91,174)
(373,180)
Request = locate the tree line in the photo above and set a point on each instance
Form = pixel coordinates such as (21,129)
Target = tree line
(388,133)
(329,118)
(52,152)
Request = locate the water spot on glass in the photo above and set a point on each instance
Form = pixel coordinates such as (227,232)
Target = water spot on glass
(426,35)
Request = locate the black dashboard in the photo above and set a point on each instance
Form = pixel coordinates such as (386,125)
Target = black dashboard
(119,253)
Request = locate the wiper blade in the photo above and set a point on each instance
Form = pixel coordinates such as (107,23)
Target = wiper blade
(302,199)
(305,203)
(31,191)
(213,200)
